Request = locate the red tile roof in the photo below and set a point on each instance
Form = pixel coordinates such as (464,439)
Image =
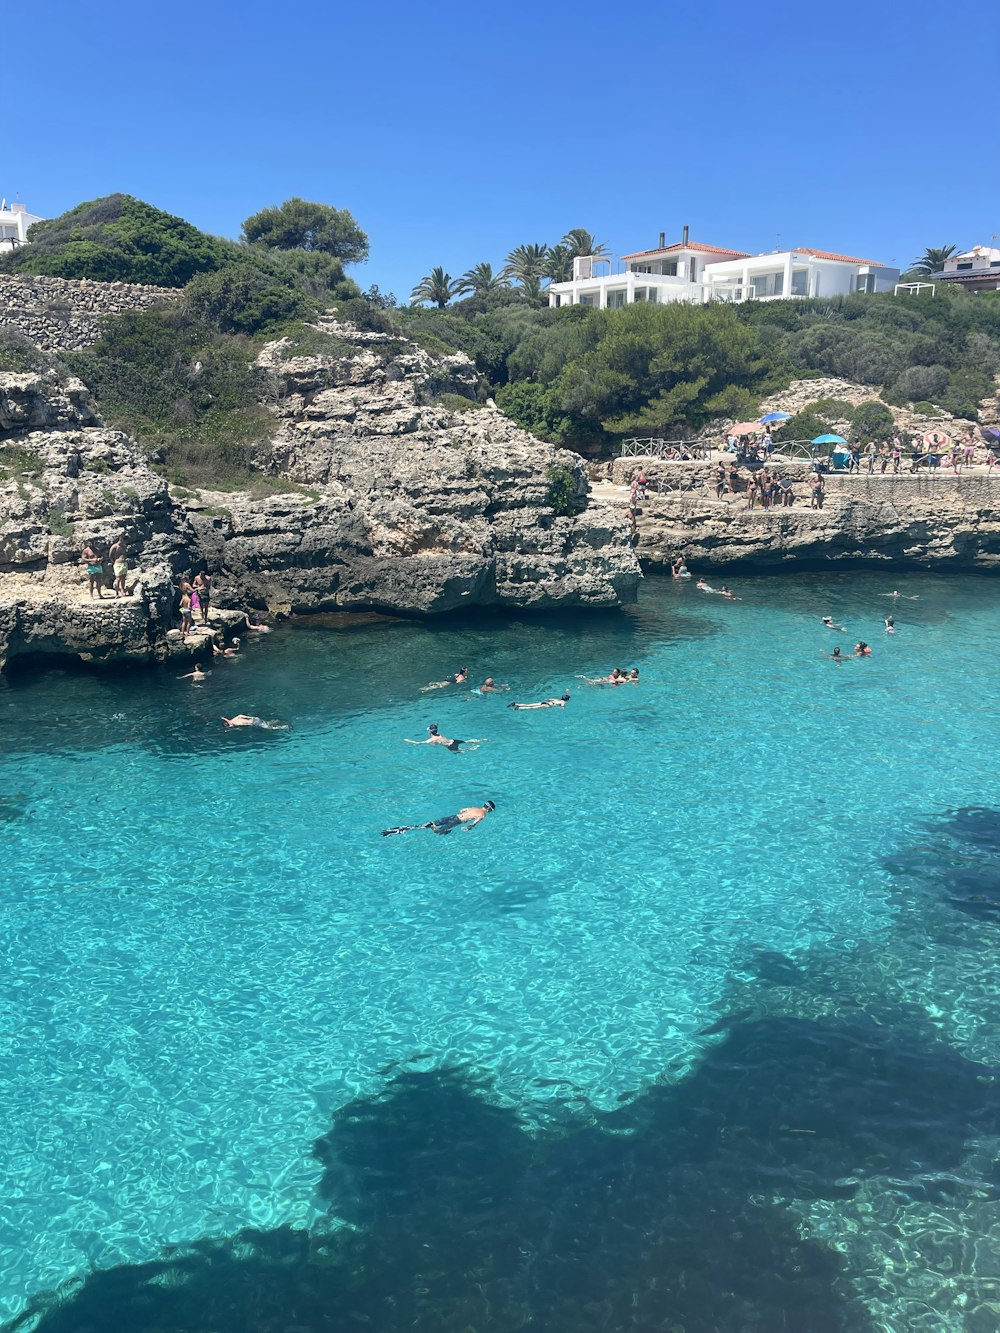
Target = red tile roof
(691,245)
(828,254)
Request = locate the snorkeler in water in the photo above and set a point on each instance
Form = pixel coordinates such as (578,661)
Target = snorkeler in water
(434,737)
(459,678)
(468,817)
(245,720)
(828,622)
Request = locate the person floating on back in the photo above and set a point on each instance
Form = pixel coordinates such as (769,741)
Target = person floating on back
(544,703)
(468,817)
(828,622)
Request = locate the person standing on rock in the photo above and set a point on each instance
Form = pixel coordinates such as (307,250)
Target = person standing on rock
(93,559)
(118,555)
(203,587)
(185,608)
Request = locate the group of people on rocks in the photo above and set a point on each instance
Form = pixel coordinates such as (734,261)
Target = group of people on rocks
(107,567)
(766,487)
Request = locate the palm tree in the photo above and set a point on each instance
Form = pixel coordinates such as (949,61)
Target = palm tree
(437,287)
(480,281)
(559,265)
(526,265)
(581,242)
(933,258)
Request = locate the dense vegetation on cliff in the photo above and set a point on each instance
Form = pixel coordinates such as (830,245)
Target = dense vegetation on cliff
(122,239)
(594,376)
(179,377)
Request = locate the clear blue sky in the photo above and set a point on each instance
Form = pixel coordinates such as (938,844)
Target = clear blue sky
(455,132)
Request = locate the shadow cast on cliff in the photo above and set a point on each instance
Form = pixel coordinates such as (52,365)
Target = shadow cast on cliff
(448,1214)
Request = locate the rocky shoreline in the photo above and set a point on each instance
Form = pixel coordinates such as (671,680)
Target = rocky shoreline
(921,520)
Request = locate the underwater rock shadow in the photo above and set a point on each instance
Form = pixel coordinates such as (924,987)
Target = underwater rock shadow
(655,1216)
(961,862)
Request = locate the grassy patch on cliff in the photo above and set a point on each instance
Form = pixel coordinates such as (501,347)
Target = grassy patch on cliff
(182,389)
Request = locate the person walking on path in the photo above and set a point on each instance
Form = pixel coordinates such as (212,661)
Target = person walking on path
(93,560)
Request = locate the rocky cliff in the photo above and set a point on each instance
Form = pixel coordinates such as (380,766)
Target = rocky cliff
(386,498)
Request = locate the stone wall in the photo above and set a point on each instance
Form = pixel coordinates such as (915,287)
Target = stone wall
(63,314)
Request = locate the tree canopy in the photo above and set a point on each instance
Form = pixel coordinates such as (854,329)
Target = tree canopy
(298,224)
(120,239)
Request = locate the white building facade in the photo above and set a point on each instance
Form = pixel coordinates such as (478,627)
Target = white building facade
(977,270)
(668,273)
(796,273)
(14,224)
(695,273)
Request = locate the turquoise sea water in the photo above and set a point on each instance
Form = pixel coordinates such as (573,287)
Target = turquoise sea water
(730,936)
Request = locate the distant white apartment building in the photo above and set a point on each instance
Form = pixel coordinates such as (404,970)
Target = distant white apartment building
(14,224)
(977,270)
(696,273)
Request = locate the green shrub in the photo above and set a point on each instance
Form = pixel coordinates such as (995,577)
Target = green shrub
(805,425)
(242,299)
(180,387)
(872,421)
(119,238)
(562,493)
(364,315)
(20,355)
(454,402)
(58,523)
(306,340)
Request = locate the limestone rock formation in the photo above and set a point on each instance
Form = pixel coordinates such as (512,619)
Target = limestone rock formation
(387,498)
(409,505)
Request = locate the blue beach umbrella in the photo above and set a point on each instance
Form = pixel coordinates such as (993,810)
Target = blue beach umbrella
(775,416)
(829,439)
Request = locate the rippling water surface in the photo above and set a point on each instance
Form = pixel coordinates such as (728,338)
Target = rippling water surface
(698,1031)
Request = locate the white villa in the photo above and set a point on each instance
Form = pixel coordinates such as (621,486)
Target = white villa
(14,224)
(977,270)
(696,273)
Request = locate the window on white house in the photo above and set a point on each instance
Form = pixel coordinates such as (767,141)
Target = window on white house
(800,282)
(588,298)
(864,282)
(616,299)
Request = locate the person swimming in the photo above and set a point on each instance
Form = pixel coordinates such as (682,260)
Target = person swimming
(862,650)
(245,720)
(890,625)
(906,596)
(828,622)
(489,686)
(835,655)
(468,817)
(544,703)
(196,675)
(459,678)
(617,677)
(434,737)
(679,569)
(724,592)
